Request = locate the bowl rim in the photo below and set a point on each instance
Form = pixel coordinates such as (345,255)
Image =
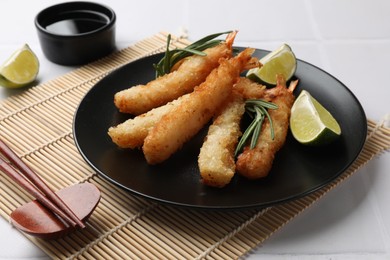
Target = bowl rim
(74,6)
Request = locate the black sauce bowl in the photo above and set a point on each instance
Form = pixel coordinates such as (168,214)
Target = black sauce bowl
(75,33)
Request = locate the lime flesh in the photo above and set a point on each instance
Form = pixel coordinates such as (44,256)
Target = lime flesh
(20,69)
(280,61)
(311,123)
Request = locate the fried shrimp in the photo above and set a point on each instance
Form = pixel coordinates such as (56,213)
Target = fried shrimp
(184,121)
(191,72)
(249,89)
(216,157)
(257,162)
(132,132)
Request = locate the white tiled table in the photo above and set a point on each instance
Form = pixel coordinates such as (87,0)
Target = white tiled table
(348,38)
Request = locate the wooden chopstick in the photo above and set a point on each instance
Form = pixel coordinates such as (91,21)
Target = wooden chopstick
(43,194)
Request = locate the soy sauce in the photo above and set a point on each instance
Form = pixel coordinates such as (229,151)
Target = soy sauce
(77,22)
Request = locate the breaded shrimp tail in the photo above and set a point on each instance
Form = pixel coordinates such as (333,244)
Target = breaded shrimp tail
(249,89)
(191,72)
(184,121)
(132,132)
(257,162)
(216,158)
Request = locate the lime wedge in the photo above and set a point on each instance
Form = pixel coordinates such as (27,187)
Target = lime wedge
(280,61)
(311,123)
(20,69)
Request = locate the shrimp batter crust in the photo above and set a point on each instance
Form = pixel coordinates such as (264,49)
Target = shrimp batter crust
(257,162)
(183,122)
(249,89)
(216,158)
(132,132)
(191,72)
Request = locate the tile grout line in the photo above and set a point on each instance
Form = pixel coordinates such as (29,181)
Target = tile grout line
(318,36)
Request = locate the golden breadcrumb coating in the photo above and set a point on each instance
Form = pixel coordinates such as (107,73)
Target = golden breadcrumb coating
(132,132)
(184,121)
(191,72)
(216,158)
(257,162)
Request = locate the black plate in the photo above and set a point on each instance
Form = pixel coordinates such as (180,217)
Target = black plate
(297,170)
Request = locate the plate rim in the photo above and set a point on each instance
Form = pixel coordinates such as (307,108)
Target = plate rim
(216,207)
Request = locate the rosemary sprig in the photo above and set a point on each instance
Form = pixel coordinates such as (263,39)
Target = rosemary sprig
(171,57)
(257,109)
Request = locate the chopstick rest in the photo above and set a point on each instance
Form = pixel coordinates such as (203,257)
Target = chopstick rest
(36,220)
(32,183)
(51,215)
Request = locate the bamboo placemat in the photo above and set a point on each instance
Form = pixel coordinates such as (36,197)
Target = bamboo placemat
(37,124)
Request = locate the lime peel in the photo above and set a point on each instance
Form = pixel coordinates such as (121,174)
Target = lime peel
(311,123)
(20,69)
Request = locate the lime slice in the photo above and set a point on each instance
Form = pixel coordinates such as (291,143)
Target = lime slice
(20,69)
(280,61)
(311,123)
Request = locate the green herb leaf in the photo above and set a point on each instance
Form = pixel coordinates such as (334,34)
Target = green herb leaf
(171,57)
(261,103)
(257,130)
(245,136)
(270,121)
(257,110)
